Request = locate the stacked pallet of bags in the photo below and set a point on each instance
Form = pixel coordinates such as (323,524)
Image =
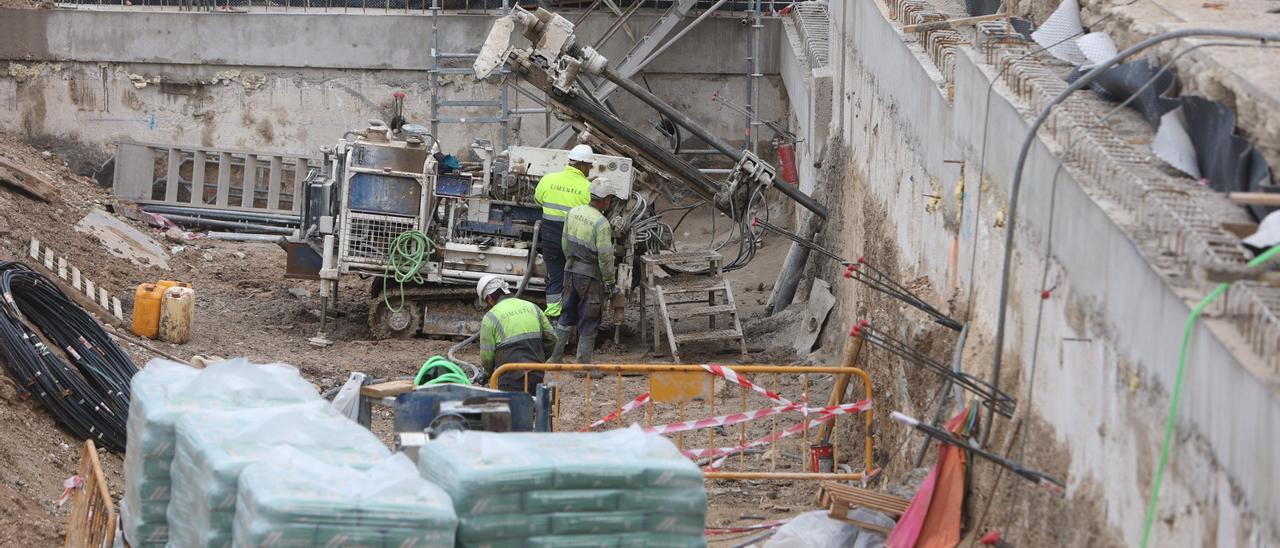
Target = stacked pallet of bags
(213,448)
(162,392)
(617,488)
(292,499)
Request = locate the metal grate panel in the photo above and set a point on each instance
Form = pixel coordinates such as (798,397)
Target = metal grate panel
(367,237)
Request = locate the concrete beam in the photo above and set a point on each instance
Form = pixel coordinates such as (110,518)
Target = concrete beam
(324,40)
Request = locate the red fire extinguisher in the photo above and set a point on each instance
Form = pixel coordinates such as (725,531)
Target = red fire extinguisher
(787,157)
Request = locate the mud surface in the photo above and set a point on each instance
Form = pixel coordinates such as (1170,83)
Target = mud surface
(245,307)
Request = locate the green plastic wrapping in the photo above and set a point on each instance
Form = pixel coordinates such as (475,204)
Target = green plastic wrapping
(161,393)
(621,487)
(294,500)
(214,447)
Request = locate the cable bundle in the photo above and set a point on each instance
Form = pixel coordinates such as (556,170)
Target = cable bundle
(89,395)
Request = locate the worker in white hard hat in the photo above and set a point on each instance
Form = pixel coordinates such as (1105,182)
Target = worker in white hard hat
(513,331)
(557,193)
(588,272)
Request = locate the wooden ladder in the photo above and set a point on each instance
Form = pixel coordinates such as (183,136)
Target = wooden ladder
(690,296)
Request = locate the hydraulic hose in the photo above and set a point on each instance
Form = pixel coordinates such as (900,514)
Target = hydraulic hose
(1177,388)
(453,374)
(1024,152)
(405,258)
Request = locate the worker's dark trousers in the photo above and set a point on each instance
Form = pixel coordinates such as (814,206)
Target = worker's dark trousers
(553,256)
(583,303)
(515,382)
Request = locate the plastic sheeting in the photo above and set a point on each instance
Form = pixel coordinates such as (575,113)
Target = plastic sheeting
(162,392)
(621,487)
(213,448)
(817,530)
(294,500)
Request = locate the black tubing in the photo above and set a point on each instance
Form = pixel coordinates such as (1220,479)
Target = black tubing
(88,395)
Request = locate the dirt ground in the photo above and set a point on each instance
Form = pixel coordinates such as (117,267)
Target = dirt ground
(245,307)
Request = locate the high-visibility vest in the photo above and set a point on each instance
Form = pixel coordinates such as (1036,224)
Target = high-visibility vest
(588,244)
(561,191)
(514,330)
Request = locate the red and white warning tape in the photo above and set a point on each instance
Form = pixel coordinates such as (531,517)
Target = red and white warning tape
(745,528)
(722,420)
(824,414)
(640,400)
(732,376)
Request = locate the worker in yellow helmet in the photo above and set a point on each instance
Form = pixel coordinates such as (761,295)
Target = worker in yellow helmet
(513,331)
(589,277)
(557,193)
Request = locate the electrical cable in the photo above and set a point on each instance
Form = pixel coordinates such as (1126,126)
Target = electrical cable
(89,395)
(1175,397)
(406,256)
(1016,183)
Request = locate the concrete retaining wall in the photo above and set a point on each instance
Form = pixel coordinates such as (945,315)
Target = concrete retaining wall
(284,82)
(1107,350)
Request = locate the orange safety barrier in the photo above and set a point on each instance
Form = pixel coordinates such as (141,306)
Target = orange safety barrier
(93,516)
(680,399)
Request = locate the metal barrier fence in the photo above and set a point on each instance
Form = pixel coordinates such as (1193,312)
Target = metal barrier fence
(93,515)
(202,177)
(692,402)
(477,7)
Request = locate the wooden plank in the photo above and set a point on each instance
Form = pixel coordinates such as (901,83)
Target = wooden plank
(197,178)
(386,389)
(27,182)
(274,177)
(224,178)
(172,178)
(1271,199)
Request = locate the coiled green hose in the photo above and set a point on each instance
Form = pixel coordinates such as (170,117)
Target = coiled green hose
(454,375)
(405,257)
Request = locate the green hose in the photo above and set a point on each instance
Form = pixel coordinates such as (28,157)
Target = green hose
(454,374)
(1177,389)
(405,259)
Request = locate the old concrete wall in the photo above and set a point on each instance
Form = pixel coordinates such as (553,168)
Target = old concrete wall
(1105,352)
(282,82)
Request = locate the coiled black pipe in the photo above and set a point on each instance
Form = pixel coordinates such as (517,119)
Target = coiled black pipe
(89,394)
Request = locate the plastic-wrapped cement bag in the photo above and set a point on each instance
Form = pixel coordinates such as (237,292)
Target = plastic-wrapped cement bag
(292,499)
(214,447)
(165,390)
(621,487)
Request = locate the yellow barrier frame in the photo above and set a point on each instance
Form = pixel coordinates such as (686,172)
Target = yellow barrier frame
(620,370)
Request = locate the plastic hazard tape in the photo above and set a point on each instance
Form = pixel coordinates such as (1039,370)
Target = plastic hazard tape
(824,414)
(640,400)
(733,377)
(722,420)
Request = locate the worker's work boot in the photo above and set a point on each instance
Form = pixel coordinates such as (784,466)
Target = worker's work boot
(586,347)
(562,338)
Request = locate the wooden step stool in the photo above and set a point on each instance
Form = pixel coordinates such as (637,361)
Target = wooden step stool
(688,296)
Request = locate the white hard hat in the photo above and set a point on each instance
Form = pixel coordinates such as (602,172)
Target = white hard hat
(599,187)
(490,284)
(581,153)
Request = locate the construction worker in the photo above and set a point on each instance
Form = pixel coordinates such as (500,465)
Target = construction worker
(588,272)
(512,331)
(557,193)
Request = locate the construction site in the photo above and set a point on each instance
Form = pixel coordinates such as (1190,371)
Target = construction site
(508,273)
